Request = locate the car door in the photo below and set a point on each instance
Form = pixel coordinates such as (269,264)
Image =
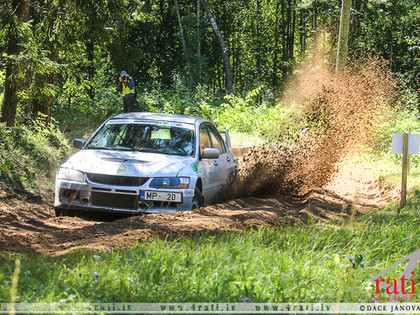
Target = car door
(226,163)
(211,175)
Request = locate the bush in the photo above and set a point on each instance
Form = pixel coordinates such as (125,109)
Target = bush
(180,100)
(76,107)
(28,154)
(273,123)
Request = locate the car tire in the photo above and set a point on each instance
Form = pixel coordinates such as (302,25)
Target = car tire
(64,212)
(197,200)
(59,212)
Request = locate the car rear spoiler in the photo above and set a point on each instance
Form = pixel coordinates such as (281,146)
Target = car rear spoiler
(227,138)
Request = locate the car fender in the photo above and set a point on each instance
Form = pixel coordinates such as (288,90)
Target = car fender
(192,172)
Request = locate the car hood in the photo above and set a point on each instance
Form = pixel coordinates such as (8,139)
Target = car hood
(125,163)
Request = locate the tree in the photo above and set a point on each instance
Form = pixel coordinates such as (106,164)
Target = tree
(223,48)
(18,15)
(184,43)
(198,43)
(343,37)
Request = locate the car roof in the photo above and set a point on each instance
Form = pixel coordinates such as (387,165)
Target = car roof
(159,116)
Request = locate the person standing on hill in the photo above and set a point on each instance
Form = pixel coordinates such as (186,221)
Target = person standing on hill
(127,89)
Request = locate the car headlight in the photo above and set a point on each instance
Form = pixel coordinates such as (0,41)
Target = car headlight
(71,175)
(170,182)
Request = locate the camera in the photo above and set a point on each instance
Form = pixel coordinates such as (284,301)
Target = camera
(124,78)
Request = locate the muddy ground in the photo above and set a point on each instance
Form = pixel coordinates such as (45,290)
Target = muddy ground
(30,225)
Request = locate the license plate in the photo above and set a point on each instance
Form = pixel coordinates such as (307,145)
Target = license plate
(160,196)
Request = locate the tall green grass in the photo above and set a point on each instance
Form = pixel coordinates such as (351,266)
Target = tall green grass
(295,264)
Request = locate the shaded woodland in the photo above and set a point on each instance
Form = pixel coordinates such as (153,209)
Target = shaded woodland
(65,56)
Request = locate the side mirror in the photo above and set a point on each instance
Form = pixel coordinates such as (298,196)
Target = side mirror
(79,143)
(210,154)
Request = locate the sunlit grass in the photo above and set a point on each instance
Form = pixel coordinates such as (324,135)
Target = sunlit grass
(293,264)
(389,168)
(239,139)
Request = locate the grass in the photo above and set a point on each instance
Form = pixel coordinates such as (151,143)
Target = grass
(239,139)
(294,264)
(28,155)
(388,167)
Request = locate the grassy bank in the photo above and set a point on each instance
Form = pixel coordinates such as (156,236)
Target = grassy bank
(29,155)
(379,160)
(319,262)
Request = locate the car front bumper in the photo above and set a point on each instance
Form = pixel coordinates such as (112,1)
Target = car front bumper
(120,199)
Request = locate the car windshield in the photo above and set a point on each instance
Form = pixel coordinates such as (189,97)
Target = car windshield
(177,139)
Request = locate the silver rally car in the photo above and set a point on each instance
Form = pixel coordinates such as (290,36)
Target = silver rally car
(146,162)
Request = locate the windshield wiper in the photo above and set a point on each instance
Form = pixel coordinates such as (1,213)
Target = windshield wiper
(124,149)
(148,150)
(100,148)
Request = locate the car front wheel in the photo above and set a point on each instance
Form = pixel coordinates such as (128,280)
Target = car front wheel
(197,200)
(64,212)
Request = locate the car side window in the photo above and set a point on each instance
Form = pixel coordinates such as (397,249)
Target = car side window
(205,141)
(216,139)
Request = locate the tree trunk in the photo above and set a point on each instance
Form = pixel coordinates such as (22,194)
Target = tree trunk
(221,41)
(10,101)
(290,37)
(315,16)
(90,52)
(284,41)
(292,34)
(259,44)
(390,52)
(219,79)
(42,104)
(238,68)
(198,43)
(302,34)
(343,36)
(276,47)
(184,43)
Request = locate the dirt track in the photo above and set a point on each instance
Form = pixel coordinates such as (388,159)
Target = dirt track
(30,226)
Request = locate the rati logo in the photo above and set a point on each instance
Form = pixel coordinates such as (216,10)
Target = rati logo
(400,289)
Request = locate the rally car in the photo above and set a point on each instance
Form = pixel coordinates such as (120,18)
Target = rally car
(147,163)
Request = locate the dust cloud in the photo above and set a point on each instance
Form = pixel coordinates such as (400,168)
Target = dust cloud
(337,113)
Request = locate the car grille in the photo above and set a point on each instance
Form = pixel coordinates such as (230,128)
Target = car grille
(108,200)
(117,180)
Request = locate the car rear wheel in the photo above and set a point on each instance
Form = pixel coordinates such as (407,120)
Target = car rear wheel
(197,200)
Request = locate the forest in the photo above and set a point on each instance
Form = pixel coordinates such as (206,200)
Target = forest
(62,59)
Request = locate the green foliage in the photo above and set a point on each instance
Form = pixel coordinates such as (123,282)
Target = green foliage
(76,107)
(180,100)
(88,99)
(237,114)
(319,262)
(28,154)
(1,86)
(389,29)
(399,120)
(274,123)
(380,161)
